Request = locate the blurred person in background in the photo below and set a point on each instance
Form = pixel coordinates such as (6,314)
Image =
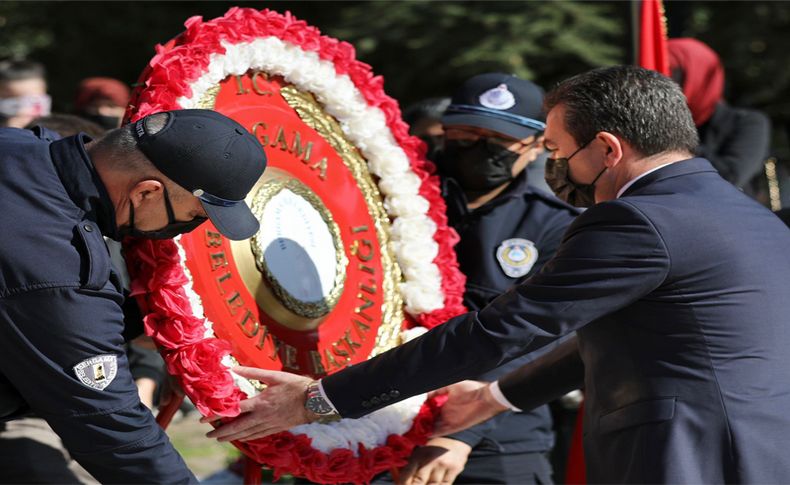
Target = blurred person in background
(425,122)
(735,140)
(102,100)
(23,92)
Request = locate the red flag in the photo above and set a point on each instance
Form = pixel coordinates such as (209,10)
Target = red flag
(653,52)
(575,470)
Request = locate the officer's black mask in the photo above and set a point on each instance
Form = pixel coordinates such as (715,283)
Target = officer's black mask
(171,230)
(557,177)
(477,166)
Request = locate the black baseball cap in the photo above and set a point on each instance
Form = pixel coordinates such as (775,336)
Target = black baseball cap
(211,156)
(498,102)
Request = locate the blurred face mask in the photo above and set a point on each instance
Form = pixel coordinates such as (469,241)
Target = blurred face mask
(579,195)
(478,166)
(30,105)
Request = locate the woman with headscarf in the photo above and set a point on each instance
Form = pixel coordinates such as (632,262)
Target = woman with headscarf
(735,140)
(102,100)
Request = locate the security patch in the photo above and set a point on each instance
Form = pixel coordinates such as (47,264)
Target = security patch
(97,372)
(516,256)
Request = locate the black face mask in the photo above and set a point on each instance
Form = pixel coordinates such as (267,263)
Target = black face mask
(579,195)
(477,167)
(171,230)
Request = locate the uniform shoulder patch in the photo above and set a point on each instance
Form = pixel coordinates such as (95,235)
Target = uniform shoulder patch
(97,372)
(516,256)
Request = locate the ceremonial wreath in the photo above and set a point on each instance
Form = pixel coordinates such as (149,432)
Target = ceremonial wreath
(348,198)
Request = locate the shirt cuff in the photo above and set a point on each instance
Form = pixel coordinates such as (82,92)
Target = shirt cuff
(325,397)
(496,393)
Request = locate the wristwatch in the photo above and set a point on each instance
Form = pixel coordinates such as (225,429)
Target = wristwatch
(317,404)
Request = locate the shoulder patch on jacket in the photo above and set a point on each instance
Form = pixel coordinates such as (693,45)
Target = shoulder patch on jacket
(97,372)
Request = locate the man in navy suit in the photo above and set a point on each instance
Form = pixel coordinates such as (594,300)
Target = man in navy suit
(675,282)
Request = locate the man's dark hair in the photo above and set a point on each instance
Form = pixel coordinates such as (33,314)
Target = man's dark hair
(645,108)
(120,144)
(15,70)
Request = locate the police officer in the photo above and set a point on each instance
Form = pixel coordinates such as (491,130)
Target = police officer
(61,323)
(508,229)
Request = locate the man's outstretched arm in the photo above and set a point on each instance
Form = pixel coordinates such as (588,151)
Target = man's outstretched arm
(610,257)
(527,387)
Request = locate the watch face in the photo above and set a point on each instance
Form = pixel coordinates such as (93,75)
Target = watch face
(318,406)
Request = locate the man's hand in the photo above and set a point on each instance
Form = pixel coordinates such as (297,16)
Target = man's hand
(277,408)
(469,403)
(439,461)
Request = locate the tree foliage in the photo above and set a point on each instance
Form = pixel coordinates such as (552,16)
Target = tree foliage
(427,48)
(423,48)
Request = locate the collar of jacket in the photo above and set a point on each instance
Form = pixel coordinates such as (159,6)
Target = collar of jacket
(82,183)
(683,167)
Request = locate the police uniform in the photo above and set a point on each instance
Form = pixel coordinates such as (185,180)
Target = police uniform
(503,243)
(61,321)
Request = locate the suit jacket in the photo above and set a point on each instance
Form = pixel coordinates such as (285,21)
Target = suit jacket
(678,292)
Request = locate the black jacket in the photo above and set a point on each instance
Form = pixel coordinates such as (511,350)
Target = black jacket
(61,321)
(736,141)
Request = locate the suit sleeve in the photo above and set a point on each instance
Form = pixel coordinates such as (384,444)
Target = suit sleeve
(477,434)
(611,256)
(43,335)
(546,378)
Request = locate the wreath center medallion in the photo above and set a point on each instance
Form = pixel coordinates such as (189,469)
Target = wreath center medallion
(299,249)
(316,288)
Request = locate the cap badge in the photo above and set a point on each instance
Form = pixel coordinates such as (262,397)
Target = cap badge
(97,372)
(498,98)
(516,256)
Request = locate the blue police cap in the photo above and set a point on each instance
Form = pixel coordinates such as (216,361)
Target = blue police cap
(498,102)
(214,158)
